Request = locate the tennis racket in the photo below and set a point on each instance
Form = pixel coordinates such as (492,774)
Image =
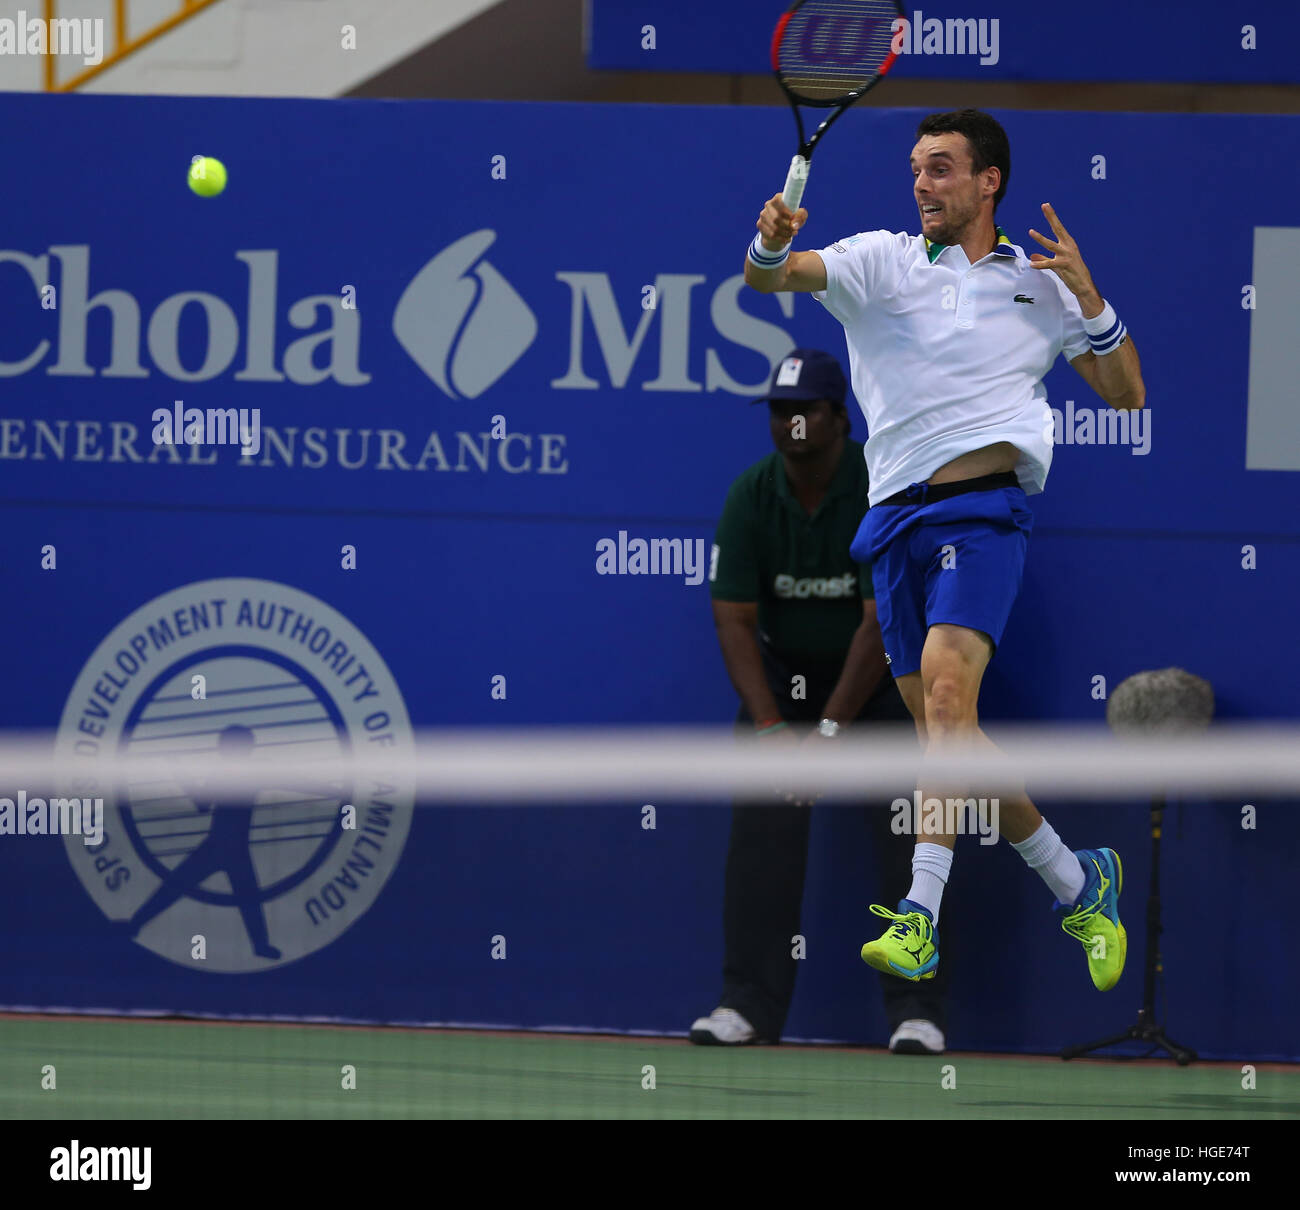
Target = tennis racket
(827,54)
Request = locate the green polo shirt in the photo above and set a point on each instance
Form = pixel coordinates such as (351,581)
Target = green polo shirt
(795,566)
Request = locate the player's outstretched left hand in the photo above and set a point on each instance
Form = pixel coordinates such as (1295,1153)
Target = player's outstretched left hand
(1067,264)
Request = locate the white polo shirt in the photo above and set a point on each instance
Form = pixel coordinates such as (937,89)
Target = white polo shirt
(945,356)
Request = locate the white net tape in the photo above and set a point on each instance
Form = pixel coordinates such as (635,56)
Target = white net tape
(611,763)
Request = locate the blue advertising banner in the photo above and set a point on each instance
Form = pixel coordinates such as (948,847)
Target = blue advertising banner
(471,344)
(1194,42)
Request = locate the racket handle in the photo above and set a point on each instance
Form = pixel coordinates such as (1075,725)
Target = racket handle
(795,181)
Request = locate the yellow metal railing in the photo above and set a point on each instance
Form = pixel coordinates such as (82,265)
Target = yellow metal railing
(122,45)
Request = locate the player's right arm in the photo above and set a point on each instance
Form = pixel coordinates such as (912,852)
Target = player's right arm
(801,272)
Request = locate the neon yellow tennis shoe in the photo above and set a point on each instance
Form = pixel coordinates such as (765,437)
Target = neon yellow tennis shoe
(910,946)
(1094,920)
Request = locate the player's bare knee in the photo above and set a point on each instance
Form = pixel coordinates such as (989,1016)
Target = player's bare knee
(950,707)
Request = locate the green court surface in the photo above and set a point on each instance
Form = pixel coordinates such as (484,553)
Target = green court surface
(107,1069)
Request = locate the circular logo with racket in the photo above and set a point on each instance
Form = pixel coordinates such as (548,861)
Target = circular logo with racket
(238,670)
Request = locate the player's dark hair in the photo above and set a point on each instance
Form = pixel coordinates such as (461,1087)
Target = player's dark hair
(988,142)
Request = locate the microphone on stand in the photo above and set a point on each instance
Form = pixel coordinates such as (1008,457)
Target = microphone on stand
(1167,701)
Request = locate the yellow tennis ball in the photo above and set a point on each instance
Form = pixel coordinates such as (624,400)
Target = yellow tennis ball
(207,176)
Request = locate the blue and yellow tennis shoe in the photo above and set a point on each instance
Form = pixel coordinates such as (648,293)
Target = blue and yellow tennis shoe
(910,946)
(1094,920)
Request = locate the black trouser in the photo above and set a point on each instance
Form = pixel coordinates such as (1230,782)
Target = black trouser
(766,861)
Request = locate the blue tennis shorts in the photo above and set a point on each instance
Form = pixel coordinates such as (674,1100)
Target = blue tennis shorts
(959,560)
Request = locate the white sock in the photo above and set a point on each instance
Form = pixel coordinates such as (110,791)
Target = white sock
(930,866)
(1046,854)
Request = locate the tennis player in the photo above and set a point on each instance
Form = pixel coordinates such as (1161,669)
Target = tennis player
(950,334)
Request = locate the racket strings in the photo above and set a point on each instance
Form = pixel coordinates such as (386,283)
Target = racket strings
(827,49)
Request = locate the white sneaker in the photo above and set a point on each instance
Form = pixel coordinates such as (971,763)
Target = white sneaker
(722,1027)
(917,1037)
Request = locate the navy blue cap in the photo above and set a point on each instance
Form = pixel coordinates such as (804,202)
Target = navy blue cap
(807,374)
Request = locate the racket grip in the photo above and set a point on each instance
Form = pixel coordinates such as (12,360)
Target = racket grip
(795,181)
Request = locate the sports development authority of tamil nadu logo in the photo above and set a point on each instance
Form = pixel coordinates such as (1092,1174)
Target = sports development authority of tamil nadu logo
(266,877)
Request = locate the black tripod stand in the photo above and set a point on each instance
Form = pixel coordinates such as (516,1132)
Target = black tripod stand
(1146,1029)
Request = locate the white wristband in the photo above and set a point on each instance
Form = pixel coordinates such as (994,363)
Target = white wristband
(1106,332)
(764,258)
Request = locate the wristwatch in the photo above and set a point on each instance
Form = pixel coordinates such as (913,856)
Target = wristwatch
(829,728)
